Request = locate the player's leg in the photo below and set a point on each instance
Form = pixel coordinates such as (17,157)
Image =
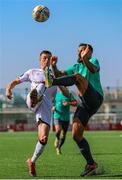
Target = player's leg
(81,83)
(60,81)
(43,132)
(65,126)
(57,126)
(77,133)
(91,101)
(65,80)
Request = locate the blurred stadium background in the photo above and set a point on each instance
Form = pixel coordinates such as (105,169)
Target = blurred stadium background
(18,137)
(15,116)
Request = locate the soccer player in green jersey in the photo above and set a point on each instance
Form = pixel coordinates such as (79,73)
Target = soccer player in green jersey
(85,74)
(61,117)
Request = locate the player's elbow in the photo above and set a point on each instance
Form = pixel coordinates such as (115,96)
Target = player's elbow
(92,70)
(15,82)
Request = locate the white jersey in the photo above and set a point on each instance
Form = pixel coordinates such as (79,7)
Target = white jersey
(34,76)
(37,77)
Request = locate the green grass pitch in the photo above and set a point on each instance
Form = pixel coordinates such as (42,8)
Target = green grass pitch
(15,148)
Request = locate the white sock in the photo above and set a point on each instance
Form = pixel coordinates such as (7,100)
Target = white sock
(38,151)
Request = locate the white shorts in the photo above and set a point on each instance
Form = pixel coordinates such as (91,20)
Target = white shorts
(43,109)
(43,112)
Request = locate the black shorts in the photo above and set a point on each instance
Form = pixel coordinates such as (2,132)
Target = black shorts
(63,124)
(91,101)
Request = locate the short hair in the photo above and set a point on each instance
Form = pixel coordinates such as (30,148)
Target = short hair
(46,52)
(84,44)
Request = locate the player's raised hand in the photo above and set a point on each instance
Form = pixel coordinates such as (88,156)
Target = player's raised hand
(53,60)
(8,93)
(86,53)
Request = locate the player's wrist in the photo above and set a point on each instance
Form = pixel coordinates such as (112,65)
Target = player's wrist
(54,66)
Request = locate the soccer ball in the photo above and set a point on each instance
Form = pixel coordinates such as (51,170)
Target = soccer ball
(40,13)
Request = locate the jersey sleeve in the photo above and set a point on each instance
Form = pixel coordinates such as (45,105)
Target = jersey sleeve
(95,62)
(70,70)
(25,77)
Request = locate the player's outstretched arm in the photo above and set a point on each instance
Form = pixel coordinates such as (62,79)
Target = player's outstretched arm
(10,86)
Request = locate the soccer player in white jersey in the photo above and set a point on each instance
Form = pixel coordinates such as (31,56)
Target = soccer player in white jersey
(39,100)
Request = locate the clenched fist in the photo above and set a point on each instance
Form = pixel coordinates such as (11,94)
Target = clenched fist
(53,60)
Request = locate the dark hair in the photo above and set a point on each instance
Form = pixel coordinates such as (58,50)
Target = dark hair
(83,44)
(46,52)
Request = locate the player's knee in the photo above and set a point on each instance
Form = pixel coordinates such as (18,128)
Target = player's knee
(63,135)
(74,136)
(43,140)
(78,77)
(77,137)
(77,133)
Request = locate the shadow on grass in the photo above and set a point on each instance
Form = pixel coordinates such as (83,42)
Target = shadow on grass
(106,153)
(114,175)
(102,173)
